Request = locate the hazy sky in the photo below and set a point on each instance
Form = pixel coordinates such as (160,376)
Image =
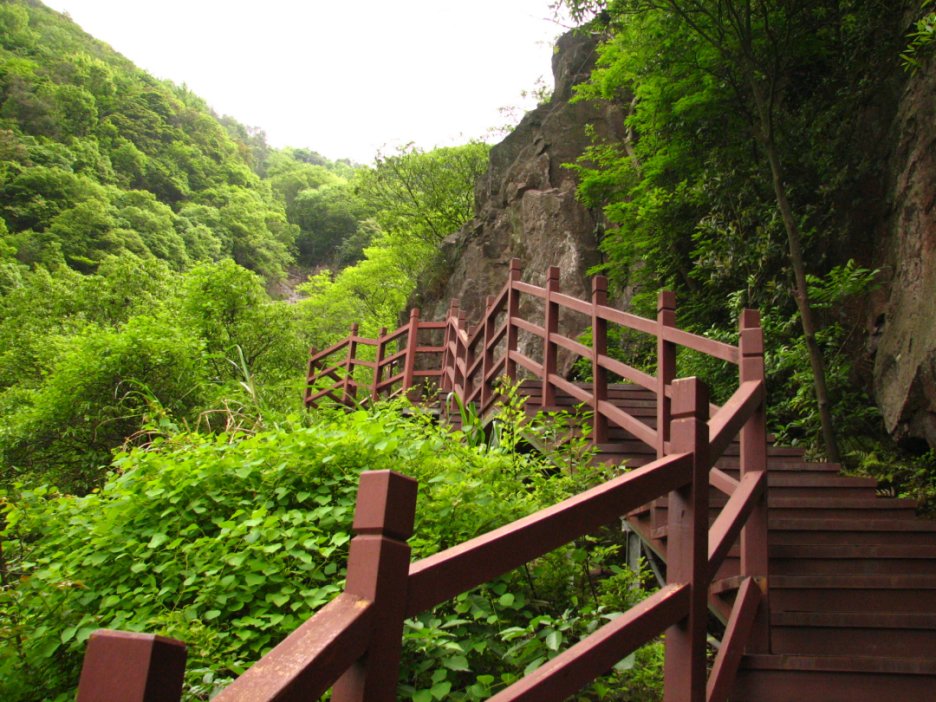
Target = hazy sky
(342,77)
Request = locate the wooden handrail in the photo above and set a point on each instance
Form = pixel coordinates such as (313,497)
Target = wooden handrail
(732,518)
(444,575)
(567,673)
(737,634)
(734,414)
(307,663)
(354,642)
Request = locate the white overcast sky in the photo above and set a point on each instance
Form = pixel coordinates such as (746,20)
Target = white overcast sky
(342,77)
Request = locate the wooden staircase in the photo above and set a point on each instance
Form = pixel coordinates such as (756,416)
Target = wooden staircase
(852,577)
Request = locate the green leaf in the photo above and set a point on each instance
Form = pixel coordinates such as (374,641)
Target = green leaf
(456,663)
(158,540)
(278,599)
(440,690)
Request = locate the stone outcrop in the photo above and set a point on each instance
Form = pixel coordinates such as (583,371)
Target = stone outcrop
(525,204)
(526,208)
(905,325)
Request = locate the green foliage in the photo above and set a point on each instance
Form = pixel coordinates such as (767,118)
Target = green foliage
(97,393)
(423,195)
(922,38)
(88,360)
(76,116)
(692,195)
(229,542)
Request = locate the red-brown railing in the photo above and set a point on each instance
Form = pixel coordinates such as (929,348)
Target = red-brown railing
(402,360)
(354,643)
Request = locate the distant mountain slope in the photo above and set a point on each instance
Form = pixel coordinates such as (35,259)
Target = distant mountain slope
(98,157)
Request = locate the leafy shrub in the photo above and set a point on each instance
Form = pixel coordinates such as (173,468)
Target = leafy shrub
(229,542)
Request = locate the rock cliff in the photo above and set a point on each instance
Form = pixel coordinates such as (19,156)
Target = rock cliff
(526,208)
(905,324)
(525,204)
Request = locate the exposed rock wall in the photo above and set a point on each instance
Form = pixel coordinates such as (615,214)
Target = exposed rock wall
(905,327)
(525,204)
(526,208)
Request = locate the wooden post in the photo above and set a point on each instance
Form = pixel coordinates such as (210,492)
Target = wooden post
(448,359)
(550,327)
(347,394)
(687,546)
(463,355)
(310,374)
(513,311)
(378,567)
(131,667)
(754,553)
(487,360)
(409,359)
(599,349)
(666,366)
(378,359)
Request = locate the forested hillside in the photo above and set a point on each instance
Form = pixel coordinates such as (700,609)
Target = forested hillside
(139,237)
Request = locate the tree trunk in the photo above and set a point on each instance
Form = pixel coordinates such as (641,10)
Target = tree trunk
(801,289)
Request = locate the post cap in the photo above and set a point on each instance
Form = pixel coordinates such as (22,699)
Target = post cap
(386,504)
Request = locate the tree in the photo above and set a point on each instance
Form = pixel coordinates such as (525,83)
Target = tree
(424,195)
(327,217)
(768,63)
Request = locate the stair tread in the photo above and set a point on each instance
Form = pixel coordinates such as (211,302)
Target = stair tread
(844,664)
(888,620)
(869,551)
(853,582)
(854,524)
(872,503)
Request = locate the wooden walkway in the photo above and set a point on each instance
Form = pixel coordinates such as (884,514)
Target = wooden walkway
(823,590)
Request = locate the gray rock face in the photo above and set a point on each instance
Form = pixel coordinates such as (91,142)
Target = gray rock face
(905,362)
(525,204)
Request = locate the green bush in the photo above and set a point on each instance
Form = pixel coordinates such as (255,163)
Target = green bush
(229,542)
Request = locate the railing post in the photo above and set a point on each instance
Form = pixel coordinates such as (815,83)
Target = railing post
(687,546)
(487,360)
(378,567)
(754,550)
(310,373)
(666,366)
(378,359)
(409,359)
(347,395)
(448,359)
(513,311)
(464,354)
(599,349)
(550,327)
(131,667)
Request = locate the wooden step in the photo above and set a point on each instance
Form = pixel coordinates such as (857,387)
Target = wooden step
(782,464)
(853,593)
(847,558)
(833,678)
(870,633)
